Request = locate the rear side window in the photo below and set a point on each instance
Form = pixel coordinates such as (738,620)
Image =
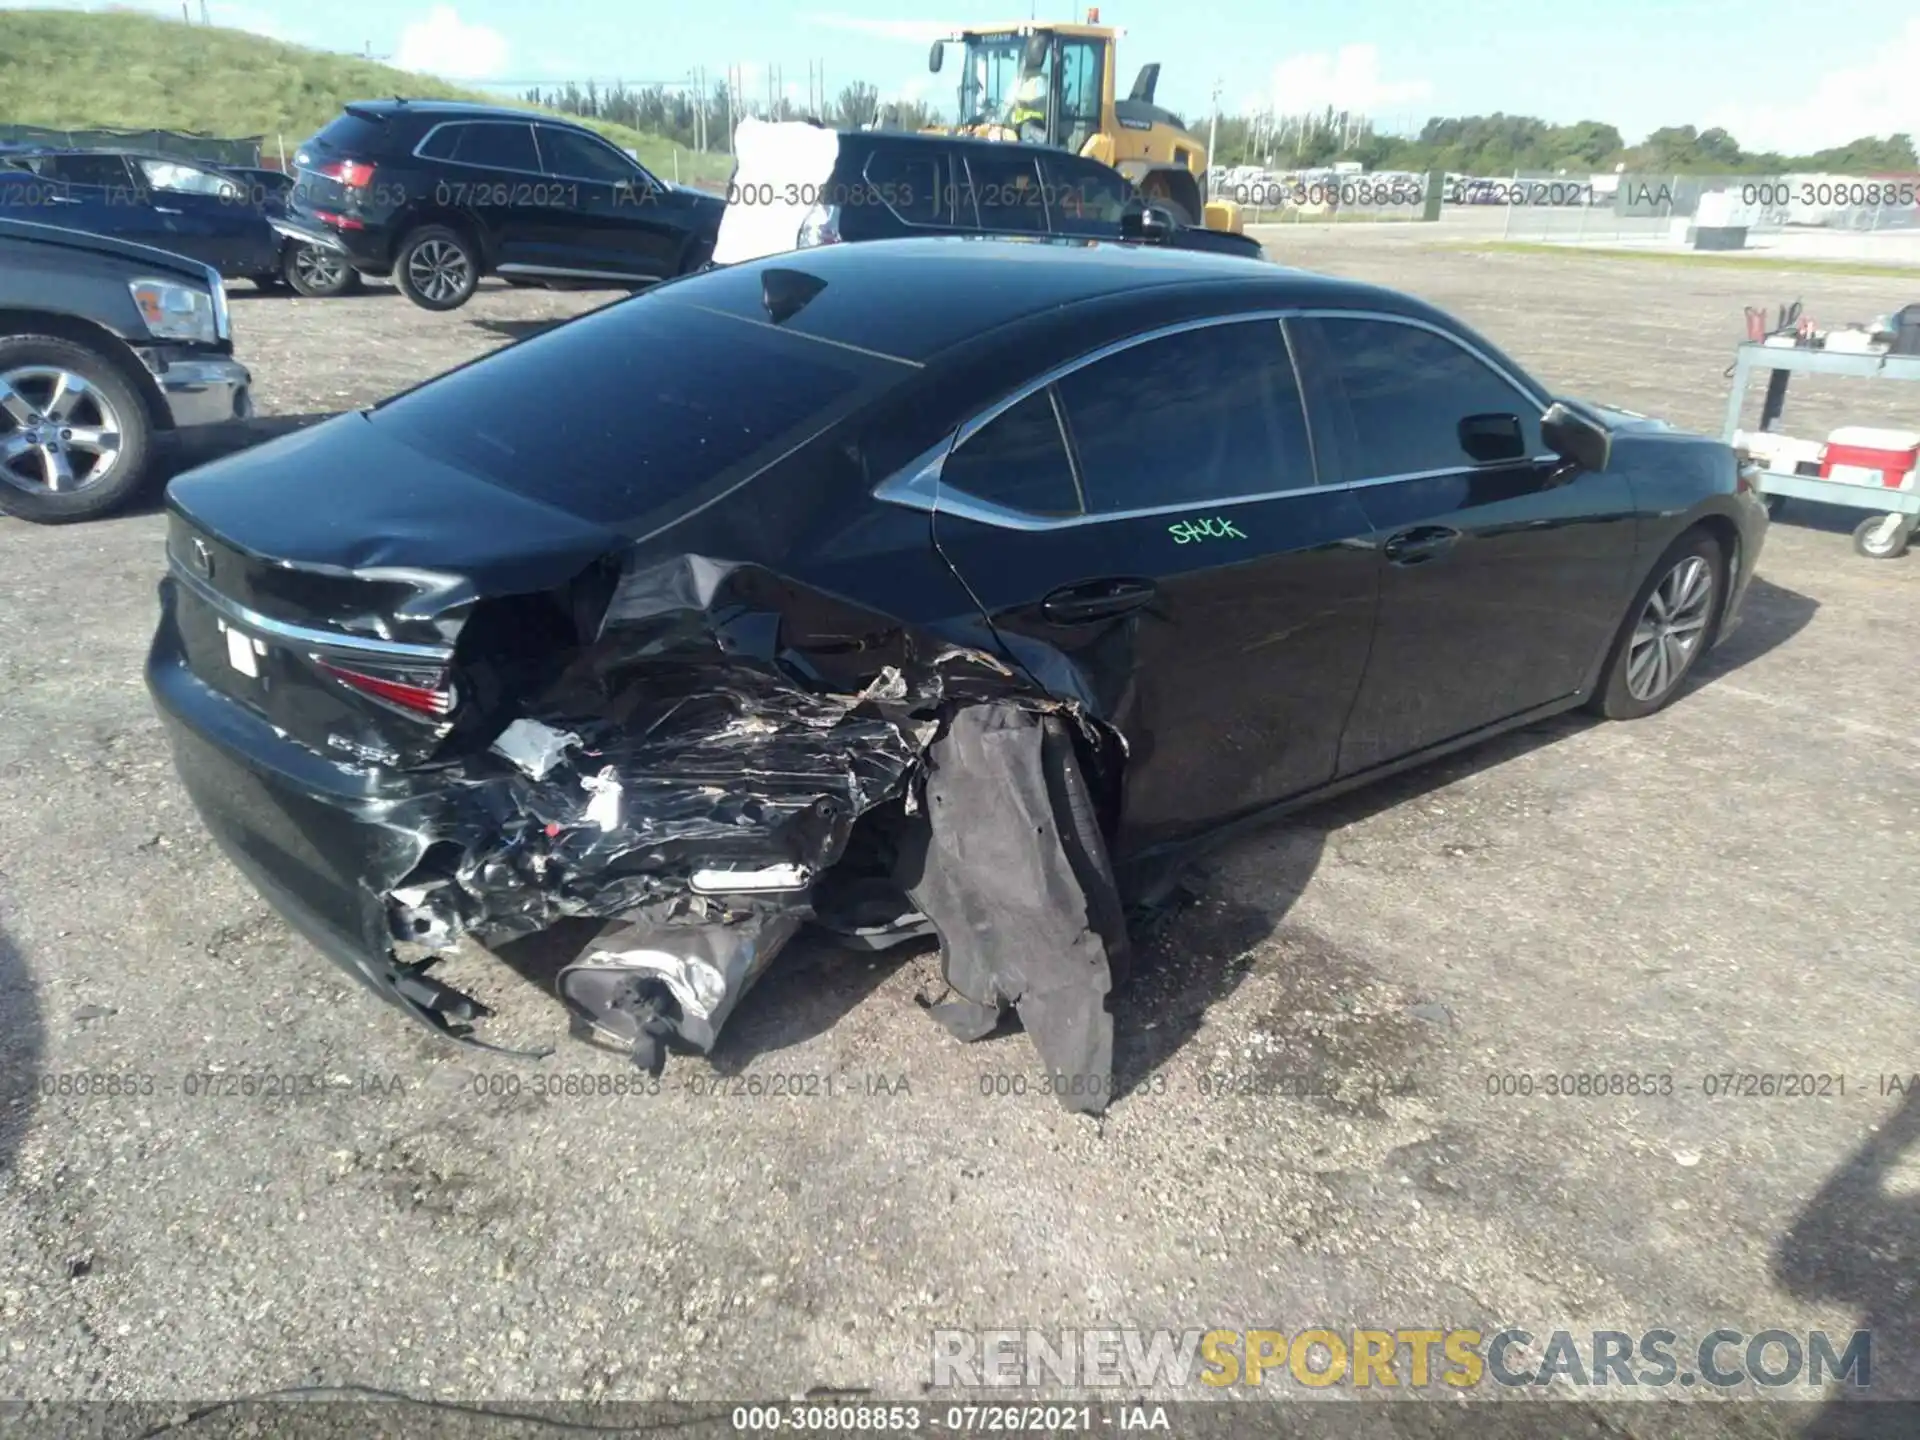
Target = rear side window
(910,183)
(1195,417)
(1019,459)
(634,406)
(86,169)
(1006,193)
(441,142)
(1408,389)
(499,145)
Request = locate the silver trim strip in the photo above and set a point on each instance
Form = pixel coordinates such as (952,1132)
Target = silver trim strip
(916,485)
(300,636)
(564,272)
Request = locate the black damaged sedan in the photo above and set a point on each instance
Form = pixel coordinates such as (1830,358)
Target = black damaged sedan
(927,587)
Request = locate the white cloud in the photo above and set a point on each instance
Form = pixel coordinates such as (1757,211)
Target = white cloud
(443,44)
(1347,79)
(1876,97)
(924,31)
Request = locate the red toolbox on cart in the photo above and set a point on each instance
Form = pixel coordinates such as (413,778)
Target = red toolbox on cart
(1865,456)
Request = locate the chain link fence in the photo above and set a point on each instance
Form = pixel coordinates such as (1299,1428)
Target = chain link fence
(212,149)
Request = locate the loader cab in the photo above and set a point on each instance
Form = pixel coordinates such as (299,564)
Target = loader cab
(1050,85)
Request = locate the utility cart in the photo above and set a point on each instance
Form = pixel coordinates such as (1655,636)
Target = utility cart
(1883,534)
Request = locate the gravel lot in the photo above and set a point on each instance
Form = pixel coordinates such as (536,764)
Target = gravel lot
(1721,888)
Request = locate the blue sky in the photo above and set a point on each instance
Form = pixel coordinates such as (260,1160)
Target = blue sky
(1831,71)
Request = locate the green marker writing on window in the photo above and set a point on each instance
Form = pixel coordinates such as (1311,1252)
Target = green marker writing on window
(1188,531)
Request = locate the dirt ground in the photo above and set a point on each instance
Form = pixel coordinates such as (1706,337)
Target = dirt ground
(1726,887)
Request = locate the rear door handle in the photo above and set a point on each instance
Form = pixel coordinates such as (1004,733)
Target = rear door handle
(1420,544)
(165,210)
(1097,600)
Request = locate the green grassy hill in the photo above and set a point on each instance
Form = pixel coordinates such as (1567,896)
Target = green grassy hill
(130,70)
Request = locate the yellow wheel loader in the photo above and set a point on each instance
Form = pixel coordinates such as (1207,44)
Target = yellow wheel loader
(1053,84)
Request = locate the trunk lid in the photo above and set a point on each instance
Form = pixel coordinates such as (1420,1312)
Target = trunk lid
(314,575)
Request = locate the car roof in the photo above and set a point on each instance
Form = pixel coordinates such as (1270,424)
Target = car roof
(915,298)
(399,106)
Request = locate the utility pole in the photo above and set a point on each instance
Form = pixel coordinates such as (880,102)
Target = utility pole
(1213,129)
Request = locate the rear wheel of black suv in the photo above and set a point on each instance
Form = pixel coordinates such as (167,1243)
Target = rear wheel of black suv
(74,433)
(437,268)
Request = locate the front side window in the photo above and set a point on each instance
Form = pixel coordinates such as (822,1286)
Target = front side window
(1196,417)
(1019,460)
(86,169)
(1006,194)
(1408,389)
(576,157)
(183,179)
(1084,197)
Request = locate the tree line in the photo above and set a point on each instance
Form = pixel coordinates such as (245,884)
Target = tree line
(1495,144)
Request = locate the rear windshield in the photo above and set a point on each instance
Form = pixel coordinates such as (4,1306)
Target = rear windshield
(350,132)
(635,406)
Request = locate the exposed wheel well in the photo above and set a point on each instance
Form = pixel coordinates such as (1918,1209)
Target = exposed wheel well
(1176,185)
(110,347)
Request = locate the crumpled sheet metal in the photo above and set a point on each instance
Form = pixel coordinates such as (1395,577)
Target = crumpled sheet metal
(1047,937)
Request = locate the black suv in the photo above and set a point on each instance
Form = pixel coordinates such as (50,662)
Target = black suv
(797,185)
(438,193)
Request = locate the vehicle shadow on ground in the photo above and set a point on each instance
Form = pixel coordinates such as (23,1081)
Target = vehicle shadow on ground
(184,451)
(255,295)
(518,329)
(1190,953)
(22,1041)
(1857,1243)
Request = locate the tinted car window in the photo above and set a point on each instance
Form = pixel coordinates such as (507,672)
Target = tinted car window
(183,179)
(1083,196)
(1006,192)
(86,169)
(349,132)
(1200,416)
(1408,389)
(909,182)
(501,146)
(441,142)
(575,157)
(659,398)
(1018,460)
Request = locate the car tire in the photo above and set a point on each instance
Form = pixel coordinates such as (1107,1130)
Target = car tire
(315,273)
(91,390)
(437,268)
(1670,624)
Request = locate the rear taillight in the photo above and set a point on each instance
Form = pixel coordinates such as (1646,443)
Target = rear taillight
(354,174)
(339,222)
(412,690)
(821,227)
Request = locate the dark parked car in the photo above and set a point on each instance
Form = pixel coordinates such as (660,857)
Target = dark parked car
(195,210)
(104,345)
(796,185)
(957,585)
(438,194)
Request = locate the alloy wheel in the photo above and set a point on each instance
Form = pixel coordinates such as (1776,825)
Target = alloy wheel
(438,269)
(58,434)
(1671,629)
(320,269)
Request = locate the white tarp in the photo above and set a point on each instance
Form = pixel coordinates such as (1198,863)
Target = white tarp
(781,171)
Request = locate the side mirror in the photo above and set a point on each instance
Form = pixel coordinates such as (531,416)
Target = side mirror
(1491,439)
(1144,220)
(937,56)
(1575,438)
